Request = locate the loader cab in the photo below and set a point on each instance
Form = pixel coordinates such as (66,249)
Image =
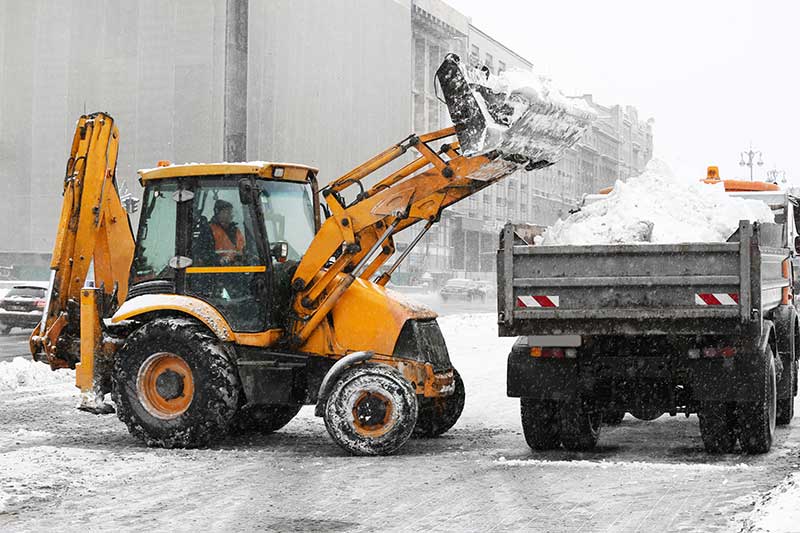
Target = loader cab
(228,234)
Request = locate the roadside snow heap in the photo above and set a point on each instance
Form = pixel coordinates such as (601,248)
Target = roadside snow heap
(657,208)
(24,373)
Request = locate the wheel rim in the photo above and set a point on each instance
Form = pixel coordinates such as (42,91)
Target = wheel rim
(165,385)
(372,414)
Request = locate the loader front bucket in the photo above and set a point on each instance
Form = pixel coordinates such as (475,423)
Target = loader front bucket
(516,115)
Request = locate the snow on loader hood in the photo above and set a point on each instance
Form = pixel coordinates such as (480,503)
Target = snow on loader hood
(517,114)
(657,208)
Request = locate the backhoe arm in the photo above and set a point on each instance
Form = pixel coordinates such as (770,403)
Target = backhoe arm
(93,231)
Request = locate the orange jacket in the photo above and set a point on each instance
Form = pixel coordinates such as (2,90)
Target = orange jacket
(222,242)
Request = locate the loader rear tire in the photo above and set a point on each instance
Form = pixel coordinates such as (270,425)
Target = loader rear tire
(174,384)
(263,419)
(757,418)
(540,423)
(437,415)
(372,410)
(580,425)
(718,426)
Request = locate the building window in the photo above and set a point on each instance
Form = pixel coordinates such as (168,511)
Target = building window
(501,67)
(419,65)
(474,56)
(490,62)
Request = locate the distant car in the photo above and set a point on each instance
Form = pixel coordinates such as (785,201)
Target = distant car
(21,307)
(462,289)
(489,288)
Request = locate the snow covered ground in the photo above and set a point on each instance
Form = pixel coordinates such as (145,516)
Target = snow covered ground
(66,470)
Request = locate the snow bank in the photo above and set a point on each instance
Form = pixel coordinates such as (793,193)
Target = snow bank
(637,465)
(528,115)
(24,373)
(778,512)
(658,208)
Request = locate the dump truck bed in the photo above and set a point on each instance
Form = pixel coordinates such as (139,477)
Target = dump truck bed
(640,289)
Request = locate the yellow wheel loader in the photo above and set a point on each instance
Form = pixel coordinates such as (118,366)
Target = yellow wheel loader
(236,304)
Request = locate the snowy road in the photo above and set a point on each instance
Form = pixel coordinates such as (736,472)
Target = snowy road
(67,470)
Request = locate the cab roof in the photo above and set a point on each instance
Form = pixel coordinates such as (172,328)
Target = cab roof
(262,169)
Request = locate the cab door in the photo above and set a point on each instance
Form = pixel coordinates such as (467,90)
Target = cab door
(228,267)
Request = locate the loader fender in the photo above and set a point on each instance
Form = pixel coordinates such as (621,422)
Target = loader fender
(202,311)
(333,374)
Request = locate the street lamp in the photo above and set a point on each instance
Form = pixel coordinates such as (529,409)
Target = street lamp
(750,154)
(774,174)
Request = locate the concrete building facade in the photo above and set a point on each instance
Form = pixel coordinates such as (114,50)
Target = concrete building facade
(328,84)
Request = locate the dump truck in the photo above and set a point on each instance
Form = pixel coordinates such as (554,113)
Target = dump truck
(705,328)
(237,303)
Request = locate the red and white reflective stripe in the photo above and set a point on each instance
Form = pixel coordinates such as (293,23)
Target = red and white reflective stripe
(537,301)
(717,298)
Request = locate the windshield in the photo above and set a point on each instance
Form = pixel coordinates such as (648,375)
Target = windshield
(288,215)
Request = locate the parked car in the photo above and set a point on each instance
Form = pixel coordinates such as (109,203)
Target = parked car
(462,289)
(21,307)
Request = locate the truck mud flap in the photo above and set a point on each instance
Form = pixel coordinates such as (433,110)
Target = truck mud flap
(543,379)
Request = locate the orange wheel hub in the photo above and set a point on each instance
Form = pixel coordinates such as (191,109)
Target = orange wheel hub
(372,414)
(165,385)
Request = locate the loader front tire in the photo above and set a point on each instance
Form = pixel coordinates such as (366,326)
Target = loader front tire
(174,384)
(437,415)
(371,410)
(263,419)
(757,418)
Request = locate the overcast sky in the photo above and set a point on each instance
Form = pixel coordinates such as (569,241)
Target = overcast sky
(715,75)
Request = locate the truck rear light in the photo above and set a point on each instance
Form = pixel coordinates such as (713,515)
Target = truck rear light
(551,353)
(571,353)
(724,351)
(40,304)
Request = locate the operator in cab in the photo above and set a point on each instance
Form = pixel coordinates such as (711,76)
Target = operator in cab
(228,239)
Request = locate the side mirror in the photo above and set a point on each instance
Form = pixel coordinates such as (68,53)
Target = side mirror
(245,191)
(280,251)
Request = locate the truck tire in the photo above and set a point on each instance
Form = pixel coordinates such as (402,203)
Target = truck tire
(757,418)
(613,417)
(263,419)
(174,384)
(580,425)
(718,426)
(540,423)
(437,415)
(785,406)
(372,410)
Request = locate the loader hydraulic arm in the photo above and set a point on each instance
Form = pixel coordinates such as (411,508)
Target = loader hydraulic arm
(361,233)
(496,132)
(93,232)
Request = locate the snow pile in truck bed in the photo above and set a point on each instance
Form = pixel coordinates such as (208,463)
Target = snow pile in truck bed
(657,208)
(24,373)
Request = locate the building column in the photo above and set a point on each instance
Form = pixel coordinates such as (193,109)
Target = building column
(234,147)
